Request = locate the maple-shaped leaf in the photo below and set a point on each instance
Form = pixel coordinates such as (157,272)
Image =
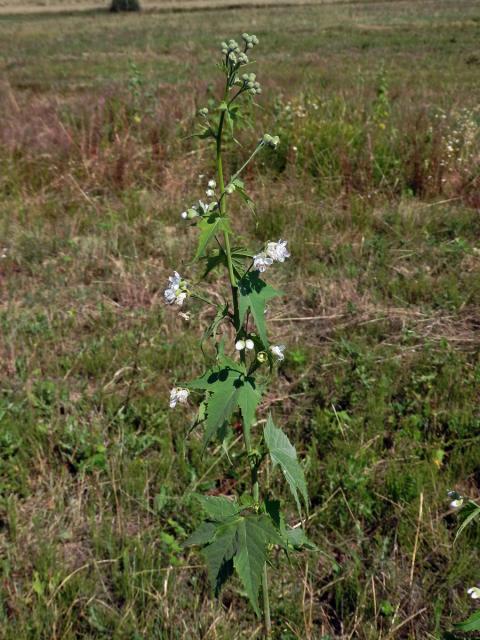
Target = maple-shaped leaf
(282,452)
(209,226)
(218,257)
(254,534)
(254,295)
(248,399)
(218,556)
(218,508)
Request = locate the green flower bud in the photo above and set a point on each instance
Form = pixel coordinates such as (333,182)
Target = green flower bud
(230,188)
(271,141)
(203,112)
(245,36)
(246,77)
(252,91)
(262,356)
(192,213)
(224,45)
(249,45)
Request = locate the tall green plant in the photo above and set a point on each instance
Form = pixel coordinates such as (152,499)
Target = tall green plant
(239,532)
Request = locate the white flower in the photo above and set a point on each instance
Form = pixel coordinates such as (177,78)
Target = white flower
(185,316)
(180,299)
(278,250)
(474,593)
(212,184)
(184,215)
(249,344)
(175,292)
(178,395)
(277,350)
(210,193)
(201,208)
(456,504)
(261,261)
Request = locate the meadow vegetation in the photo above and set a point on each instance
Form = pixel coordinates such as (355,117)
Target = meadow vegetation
(376,185)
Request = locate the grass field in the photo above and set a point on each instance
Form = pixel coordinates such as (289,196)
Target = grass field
(377,187)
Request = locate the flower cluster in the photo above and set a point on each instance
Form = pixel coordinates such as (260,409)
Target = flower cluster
(249,83)
(177,394)
(200,208)
(240,345)
(210,192)
(235,57)
(177,290)
(275,252)
(271,141)
(250,41)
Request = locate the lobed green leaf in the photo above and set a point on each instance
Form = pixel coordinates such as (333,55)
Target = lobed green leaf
(471,624)
(218,508)
(202,535)
(254,294)
(283,453)
(209,226)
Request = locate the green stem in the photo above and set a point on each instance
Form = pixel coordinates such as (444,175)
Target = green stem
(267,622)
(223,211)
(266,603)
(257,149)
(245,164)
(236,319)
(203,299)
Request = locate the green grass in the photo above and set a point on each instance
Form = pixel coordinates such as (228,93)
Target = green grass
(380,387)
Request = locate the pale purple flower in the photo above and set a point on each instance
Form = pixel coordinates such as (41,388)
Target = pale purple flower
(175,293)
(261,262)
(456,504)
(278,351)
(278,250)
(178,395)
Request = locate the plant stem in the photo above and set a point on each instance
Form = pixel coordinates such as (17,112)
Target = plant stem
(223,211)
(245,164)
(236,318)
(203,299)
(257,149)
(266,603)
